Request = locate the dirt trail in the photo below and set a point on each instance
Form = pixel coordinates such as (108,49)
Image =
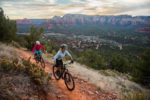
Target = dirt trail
(82,91)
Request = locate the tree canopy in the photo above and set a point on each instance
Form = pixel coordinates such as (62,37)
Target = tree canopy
(8,28)
(35,34)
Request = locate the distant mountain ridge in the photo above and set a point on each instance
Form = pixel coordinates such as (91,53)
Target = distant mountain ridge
(79,19)
(30,21)
(69,20)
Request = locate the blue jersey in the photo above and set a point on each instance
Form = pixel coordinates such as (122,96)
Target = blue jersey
(61,55)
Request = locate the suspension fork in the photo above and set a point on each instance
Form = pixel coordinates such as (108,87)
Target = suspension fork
(63,71)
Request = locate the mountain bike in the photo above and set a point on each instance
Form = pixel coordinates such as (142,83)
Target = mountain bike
(65,75)
(39,58)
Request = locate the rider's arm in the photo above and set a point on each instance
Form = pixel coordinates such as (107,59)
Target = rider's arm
(56,56)
(42,47)
(69,54)
(33,48)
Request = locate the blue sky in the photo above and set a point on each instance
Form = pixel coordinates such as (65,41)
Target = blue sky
(19,9)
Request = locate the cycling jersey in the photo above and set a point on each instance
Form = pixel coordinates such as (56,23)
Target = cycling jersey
(37,48)
(60,55)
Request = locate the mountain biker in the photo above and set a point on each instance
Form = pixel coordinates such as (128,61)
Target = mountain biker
(37,47)
(59,56)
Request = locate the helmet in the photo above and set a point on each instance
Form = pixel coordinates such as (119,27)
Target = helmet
(37,42)
(64,46)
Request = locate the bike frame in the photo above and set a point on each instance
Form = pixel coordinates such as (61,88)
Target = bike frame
(64,70)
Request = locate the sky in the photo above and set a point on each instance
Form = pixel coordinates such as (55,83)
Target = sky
(19,9)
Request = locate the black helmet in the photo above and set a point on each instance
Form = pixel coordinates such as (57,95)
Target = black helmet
(64,46)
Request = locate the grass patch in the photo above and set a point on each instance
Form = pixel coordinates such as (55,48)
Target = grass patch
(135,96)
(8,51)
(114,73)
(15,44)
(104,72)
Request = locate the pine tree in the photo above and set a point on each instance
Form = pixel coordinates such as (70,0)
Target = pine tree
(8,28)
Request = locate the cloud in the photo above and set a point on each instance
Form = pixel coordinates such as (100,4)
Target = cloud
(52,1)
(49,8)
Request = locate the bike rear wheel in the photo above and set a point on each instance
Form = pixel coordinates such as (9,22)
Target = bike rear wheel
(55,73)
(36,57)
(69,81)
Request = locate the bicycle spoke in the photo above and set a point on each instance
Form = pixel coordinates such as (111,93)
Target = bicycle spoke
(69,81)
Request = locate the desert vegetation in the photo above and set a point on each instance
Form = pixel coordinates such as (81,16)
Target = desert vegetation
(19,77)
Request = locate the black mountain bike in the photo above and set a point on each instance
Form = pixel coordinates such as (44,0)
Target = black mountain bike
(65,75)
(39,58)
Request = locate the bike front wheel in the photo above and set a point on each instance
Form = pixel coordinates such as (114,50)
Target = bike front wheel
(42,63)
(69,81)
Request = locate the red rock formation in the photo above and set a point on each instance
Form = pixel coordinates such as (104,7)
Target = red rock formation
(24,21)
(76,19)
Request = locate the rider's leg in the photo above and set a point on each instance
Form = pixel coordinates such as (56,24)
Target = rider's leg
(35,53)
(59,65)
(39,51)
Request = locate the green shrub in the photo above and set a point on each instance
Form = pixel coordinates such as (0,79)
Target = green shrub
(51,48)
(37,74)
(93,59)
(35,34)
(15,44)
(142,69)
(35,71)
(119,63)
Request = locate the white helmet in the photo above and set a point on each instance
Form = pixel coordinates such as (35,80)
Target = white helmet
(37,42)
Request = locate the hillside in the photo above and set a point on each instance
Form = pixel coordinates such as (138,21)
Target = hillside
(17,82)
(83,90)
(89,85)
(55,90)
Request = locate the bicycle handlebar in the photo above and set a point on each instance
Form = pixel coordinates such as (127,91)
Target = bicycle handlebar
(71,62)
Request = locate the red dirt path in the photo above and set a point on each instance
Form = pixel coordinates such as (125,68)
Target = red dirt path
(82,91)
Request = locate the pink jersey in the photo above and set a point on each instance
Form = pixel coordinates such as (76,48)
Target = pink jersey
(38,47)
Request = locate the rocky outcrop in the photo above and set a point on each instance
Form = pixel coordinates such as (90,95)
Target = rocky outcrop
(24,21)
(29,21)
(79,19)
(75,19)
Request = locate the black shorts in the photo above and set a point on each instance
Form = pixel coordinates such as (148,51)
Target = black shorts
(59,63)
